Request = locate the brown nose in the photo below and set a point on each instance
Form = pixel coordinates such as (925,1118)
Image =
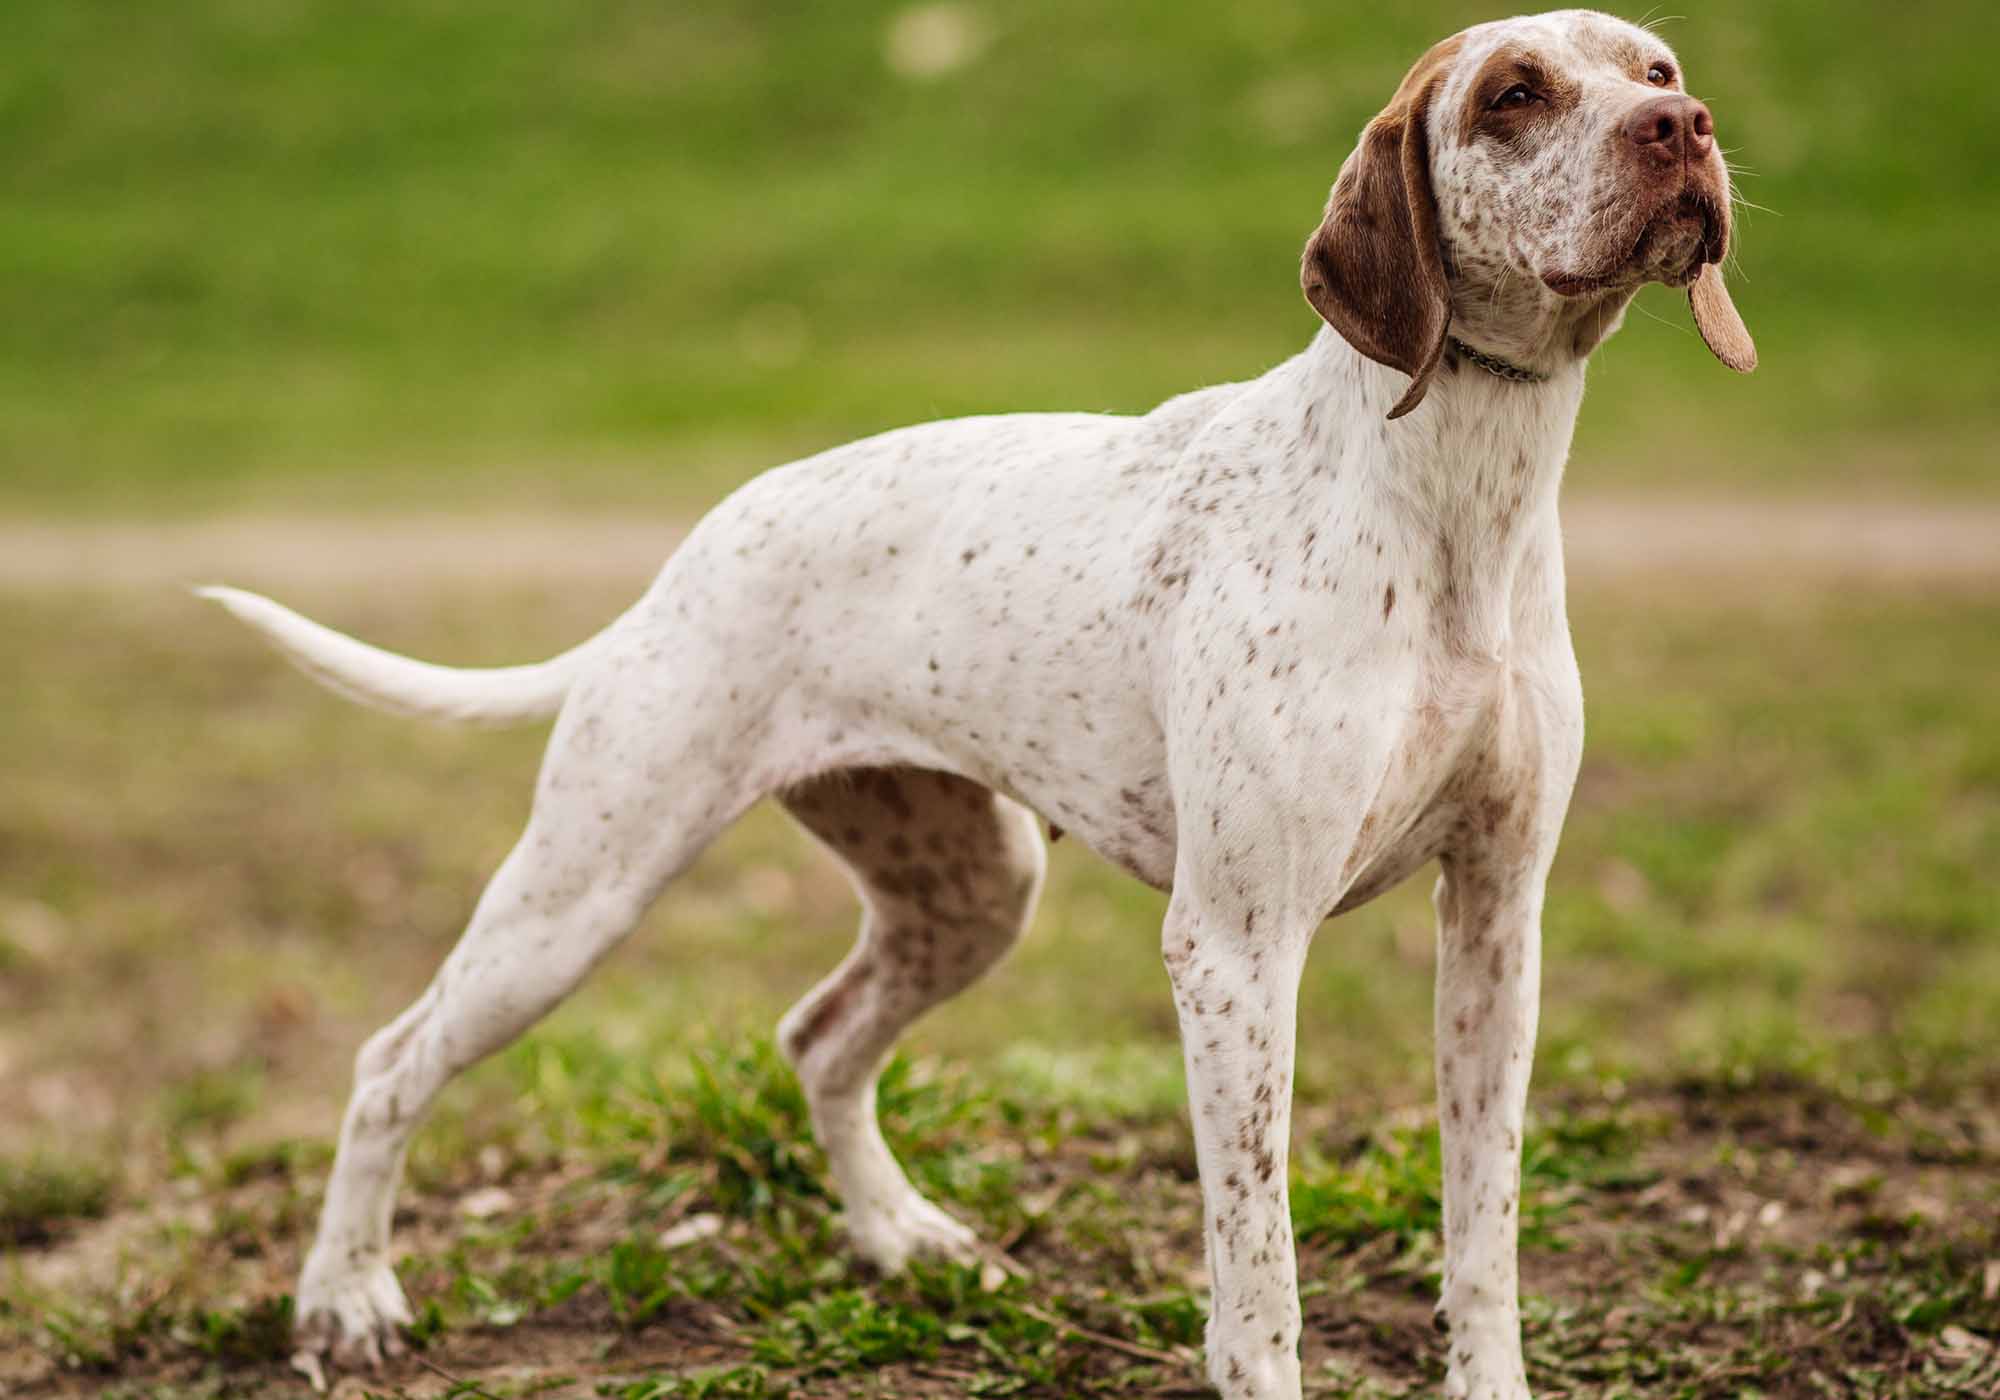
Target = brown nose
(1673,126)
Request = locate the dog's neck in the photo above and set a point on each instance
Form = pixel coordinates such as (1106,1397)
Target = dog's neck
(1524,323)
(1471,474)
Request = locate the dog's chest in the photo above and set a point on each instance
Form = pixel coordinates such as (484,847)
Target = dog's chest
(1468,765)
(1458,758)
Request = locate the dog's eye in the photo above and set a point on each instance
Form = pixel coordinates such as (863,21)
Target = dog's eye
(1659,75)
(1519,95)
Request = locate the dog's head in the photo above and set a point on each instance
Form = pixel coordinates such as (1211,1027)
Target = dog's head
(1528,177)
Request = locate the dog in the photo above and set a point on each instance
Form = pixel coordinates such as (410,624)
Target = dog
(1271,646)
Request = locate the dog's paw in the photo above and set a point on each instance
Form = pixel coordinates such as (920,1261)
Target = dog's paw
(1244,1363)
(350,1318)
(912,1227)
(1458,1387)
(1495,1374)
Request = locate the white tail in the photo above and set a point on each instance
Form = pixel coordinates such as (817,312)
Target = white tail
(500,695)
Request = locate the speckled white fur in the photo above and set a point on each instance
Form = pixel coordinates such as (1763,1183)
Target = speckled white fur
(1260,646)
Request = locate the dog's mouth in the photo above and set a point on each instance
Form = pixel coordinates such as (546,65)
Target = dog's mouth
(1669,244)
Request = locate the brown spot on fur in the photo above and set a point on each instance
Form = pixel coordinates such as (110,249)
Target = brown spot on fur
(1503,68)
(832,1002)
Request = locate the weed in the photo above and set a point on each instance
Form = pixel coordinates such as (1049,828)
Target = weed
(846,1328)
(715,1383)
(283,1160)
(41,1196)
(259,1331)
(638,1279)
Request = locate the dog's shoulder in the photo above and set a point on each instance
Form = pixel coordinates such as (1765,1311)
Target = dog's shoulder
(1177,420)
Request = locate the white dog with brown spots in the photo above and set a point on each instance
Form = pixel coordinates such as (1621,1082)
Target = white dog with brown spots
(1272,646)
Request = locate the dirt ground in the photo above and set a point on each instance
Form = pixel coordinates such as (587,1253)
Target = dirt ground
(1607,536)
(1694,1240)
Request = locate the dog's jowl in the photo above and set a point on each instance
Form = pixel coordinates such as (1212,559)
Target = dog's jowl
(1273,646)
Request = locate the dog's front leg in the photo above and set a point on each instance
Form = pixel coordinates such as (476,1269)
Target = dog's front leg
(1488,996)
(1236,983)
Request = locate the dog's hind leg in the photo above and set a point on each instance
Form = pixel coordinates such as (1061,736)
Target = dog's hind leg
(948,874)
(618,812)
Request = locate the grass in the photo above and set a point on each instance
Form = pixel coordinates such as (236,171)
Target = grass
(1778,1236)
(288,254)
(42,1194)
(1764,1156)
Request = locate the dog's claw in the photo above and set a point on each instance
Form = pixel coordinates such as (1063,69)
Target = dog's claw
(306,1362)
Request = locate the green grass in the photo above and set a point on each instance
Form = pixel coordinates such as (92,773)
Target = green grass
(43,1194)
(280,254)
(1698,1240)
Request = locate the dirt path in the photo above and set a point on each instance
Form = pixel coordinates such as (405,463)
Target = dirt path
(1609,537)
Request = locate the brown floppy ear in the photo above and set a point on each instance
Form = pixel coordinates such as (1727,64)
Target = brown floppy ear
(1722,329)
(1373,269)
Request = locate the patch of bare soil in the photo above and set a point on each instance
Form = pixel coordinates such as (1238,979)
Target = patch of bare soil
(1881,542)
(1902,542)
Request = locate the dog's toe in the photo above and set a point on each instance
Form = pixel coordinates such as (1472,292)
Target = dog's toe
(912,1228)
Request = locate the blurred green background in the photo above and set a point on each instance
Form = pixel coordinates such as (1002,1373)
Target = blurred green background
(280,253)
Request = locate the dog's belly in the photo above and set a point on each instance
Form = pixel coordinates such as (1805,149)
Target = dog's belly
(1092,766)
(1134,829)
